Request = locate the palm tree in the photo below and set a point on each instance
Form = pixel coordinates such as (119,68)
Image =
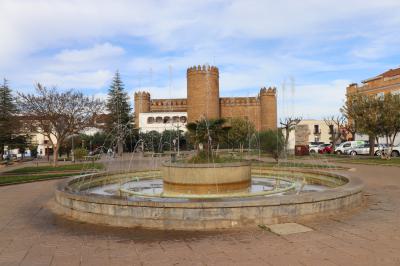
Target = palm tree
(207,133)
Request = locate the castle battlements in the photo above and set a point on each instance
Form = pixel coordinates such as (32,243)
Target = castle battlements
(203,100)
(168,102)
(142,94)
(203,69)
(268,91)
(239,101)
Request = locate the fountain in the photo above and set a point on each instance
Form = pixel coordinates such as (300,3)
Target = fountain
(193,197)
(180,194)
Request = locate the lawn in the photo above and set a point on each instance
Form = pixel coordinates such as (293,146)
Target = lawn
(8,180)
(395,161)
(32,173)
(49,168)
(298,165)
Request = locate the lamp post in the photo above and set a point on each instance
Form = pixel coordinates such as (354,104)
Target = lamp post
(72,149)
(48,151)
(179,133)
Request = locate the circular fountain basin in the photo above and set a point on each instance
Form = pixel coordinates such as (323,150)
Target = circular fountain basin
(136,199)
(200,179)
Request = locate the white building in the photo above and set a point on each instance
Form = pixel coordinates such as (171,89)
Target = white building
(160,121)
(318,131)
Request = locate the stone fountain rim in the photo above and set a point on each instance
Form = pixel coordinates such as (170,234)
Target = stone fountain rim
(205,165)
(203,214)
(353,186)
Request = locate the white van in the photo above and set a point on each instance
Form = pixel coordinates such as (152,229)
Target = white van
(347,145)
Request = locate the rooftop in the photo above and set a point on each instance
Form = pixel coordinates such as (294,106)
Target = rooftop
(387,74)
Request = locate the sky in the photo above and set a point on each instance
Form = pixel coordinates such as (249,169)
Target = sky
(310,49)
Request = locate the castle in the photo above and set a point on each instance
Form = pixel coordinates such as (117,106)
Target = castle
(203,101)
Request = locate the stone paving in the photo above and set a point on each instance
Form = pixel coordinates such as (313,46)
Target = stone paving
(31,235)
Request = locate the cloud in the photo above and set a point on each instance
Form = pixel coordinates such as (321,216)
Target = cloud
(97,52)
(312,100)
(80,44)
(88,80)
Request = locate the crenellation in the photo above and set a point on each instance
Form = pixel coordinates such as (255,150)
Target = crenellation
(239,101)
(202,69)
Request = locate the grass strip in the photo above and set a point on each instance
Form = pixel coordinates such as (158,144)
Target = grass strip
(8,180)
(49,168)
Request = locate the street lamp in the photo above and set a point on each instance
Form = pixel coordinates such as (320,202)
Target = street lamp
(72,149)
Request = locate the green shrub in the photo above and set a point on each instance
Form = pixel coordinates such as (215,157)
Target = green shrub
(272,142)
(80,153)
(204,157)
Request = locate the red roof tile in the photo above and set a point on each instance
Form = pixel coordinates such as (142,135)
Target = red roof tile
(391,73)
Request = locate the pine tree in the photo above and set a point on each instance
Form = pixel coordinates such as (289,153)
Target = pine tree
(119,111)
(8,109)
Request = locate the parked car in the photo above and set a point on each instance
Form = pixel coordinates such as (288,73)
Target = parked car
(315,143)
(380,148)
(362,149)
(348,145)
(396,151)
(325,148)
(314,148)
(383,148)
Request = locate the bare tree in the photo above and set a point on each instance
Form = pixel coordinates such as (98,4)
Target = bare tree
(289,124)
(336,125)
(350,124)
(58,115)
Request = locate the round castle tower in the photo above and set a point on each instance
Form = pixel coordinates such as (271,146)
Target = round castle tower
(268,108)
(142,105)
(202,93)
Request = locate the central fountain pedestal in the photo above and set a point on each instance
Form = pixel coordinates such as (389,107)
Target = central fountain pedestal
(204,179)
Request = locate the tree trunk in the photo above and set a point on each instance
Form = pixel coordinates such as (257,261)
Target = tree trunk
(287,132)
(371,145)
(55,155)
(120,147)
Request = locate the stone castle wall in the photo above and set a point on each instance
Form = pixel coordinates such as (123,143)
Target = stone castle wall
(142,104)
(268,108)
(202,93)
(168,105)
(204,102)
(243,107)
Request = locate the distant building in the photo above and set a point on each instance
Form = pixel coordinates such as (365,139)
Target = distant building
(311,130)
(203,101)
(44,145)
(160,121)
(387,82)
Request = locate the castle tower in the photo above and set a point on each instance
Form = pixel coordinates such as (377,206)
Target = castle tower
(142,105)
(202,93)
(268,108)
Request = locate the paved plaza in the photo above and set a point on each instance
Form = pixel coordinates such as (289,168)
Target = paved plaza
(31,235)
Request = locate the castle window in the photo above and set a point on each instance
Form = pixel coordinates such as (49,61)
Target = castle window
(159,119)
(167,119)
(175,119)
(150,120)
(183,119)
